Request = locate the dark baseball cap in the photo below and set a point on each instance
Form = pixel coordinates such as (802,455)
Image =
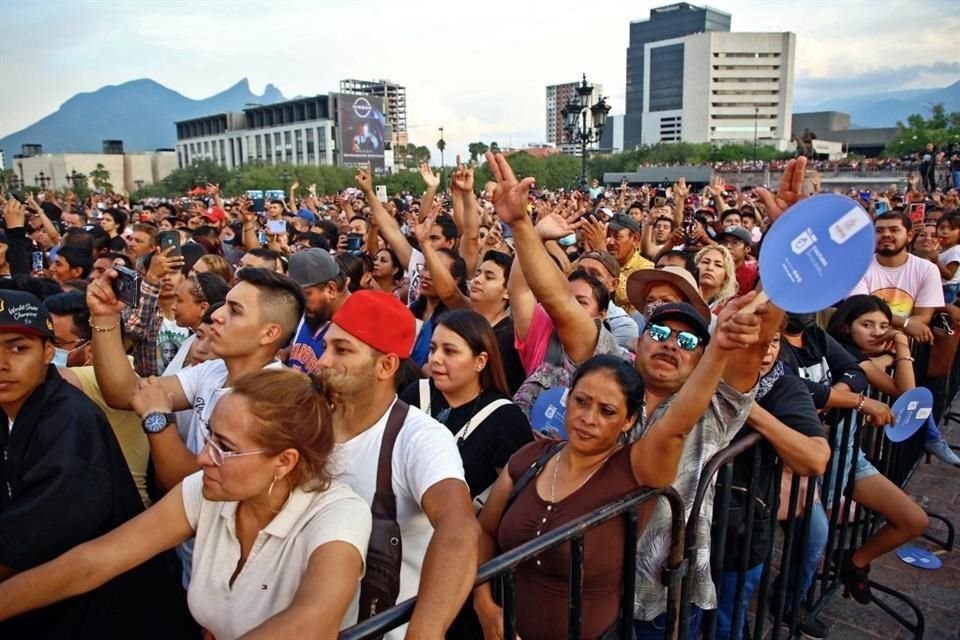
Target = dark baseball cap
(606,259)
(22,312)
(685,313)
(311,267)
(622,221)
(738,232)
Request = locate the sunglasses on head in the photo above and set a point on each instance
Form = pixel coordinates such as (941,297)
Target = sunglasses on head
(685,340)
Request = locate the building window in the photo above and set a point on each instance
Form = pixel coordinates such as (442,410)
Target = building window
(666,78)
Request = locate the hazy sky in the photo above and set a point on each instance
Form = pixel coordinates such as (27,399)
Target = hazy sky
(476,68)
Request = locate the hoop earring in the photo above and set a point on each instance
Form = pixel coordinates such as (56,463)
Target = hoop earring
(270,496)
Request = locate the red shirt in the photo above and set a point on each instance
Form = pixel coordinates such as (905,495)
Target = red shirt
(747,276)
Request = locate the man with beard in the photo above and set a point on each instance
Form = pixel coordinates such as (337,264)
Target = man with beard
(910,285)
(369,338)
(325,289)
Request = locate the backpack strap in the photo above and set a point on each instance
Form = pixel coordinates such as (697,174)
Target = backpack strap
(424,388)
(477,419)
(384,501)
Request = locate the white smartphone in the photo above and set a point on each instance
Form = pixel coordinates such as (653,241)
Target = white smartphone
(277,227)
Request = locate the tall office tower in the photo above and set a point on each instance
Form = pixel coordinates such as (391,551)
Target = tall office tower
(394,101)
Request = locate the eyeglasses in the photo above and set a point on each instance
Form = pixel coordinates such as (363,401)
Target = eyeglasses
(685,340)
(63,345)
(218,455)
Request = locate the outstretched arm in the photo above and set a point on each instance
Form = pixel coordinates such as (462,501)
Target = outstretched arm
(389,228)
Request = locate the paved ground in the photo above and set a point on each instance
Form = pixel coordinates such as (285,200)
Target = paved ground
(936,592)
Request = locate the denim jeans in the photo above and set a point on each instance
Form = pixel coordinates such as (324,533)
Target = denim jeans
(654,629)
(726,591)
(806,561)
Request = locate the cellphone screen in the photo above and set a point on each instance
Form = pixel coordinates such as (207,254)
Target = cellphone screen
(277,227)
(170,239)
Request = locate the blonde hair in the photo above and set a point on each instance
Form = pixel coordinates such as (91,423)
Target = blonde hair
(728,289)
(217,265)
(290,414)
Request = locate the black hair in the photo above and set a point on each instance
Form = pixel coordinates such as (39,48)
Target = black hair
(281,299)
(314,240)
(213,287)
(673,223)
(191,252)
(265,254)
(282,204)
(629,381)
(208,314)
(206,231)
(600,293)
(479,336)
(501,259)
(448,227)
(42,288)
(398,268)
(119,218)
(112,256)
(353,267)
(952,218)
(77,257)
(74,237)
(329,230)
(73,304)
(458,268)
(851,309)
(902,216)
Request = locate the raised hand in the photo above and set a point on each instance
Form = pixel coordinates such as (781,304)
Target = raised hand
(364,179)
(554,226)
(213,189)
(14,214)
(716,187)
(790,191)
(162,264)
(429,178)
(738,328)
(681,190)
(151,397)
(247,214)
(509,196)
(295,185)
(462,178)
(101,300)
(594,234)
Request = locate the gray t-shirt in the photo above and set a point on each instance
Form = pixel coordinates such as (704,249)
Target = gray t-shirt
(720,423)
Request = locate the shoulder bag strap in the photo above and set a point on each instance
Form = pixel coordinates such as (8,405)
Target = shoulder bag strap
(384,501)
(532,472)
(477,419)
(424,387)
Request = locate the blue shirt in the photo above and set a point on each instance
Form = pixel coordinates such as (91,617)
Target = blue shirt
(307,348)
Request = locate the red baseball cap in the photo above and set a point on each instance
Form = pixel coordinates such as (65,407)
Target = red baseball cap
(216,214)
(380,320)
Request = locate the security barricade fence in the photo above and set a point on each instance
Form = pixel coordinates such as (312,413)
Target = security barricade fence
(502,569)
(774,603)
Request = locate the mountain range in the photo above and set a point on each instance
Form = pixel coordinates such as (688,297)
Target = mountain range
(139,112)
(885,109)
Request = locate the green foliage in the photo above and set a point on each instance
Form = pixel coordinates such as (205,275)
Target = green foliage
(101,179)
(941,128)
(477,149)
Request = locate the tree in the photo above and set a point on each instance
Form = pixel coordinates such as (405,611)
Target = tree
(421,154)
(101,179)
(941,128)
(494,147)
(477,149)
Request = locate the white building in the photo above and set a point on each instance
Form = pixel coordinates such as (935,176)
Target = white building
(128,171)
(719,87)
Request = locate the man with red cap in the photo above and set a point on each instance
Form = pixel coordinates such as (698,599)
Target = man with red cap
(370,337)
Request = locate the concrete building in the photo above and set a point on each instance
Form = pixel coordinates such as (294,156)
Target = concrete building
(294,132)
(719,87)
(559,96)
(835,126)
(128,171)
(394,101)
(665,23)
(612,139)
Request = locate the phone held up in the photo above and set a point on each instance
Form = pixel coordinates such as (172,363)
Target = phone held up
(169,239)
(127,286)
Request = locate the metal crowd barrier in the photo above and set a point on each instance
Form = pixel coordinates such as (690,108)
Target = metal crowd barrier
(848,528)
(503,568)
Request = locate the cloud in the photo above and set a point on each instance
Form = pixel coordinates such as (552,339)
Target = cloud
(879,79)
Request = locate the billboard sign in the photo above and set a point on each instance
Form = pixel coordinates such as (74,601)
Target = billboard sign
(362,130)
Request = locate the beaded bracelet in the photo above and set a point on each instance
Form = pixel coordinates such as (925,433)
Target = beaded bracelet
(104,329)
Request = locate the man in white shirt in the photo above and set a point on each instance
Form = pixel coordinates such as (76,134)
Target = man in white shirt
(369,337)
(259,317)
(910,285)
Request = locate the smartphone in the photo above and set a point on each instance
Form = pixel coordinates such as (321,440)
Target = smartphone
(262,236)
(354,242)
(256,198)
(918,211)
(865,196)
(881,207)
(276,227)
(382,192)
(659,201)
(37,261)
(275,194)
(127,286)
(170,239)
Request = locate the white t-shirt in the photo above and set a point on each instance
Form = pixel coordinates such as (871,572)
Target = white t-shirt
(184,417)
(915,283)
(951,255)
(169,339)
(417,260)
(425,453)
(278,559)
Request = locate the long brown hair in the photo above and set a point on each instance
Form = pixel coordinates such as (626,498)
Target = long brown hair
(290,414)
(479,336)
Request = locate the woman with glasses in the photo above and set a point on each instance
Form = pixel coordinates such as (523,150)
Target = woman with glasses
(280,546)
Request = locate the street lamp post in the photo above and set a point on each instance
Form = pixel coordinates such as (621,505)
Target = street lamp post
(575,122)
(41,180)
(441,145)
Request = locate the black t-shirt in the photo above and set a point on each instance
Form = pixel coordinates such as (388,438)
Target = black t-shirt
(489,445)
(822,362)
(512,366)
(790,402)
(117,244)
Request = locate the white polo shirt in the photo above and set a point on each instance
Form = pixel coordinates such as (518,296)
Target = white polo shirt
(278,559)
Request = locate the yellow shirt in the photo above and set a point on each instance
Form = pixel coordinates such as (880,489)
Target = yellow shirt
(126,427)
(634,264)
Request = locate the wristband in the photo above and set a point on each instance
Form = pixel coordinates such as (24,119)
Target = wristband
(104,329)
(860,404)
(907,358)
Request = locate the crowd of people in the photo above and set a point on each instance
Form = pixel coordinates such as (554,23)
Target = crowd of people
(226,422)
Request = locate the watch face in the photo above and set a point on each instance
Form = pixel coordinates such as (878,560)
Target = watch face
(155,422)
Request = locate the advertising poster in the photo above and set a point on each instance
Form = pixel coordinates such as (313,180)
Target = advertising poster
(362,130)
